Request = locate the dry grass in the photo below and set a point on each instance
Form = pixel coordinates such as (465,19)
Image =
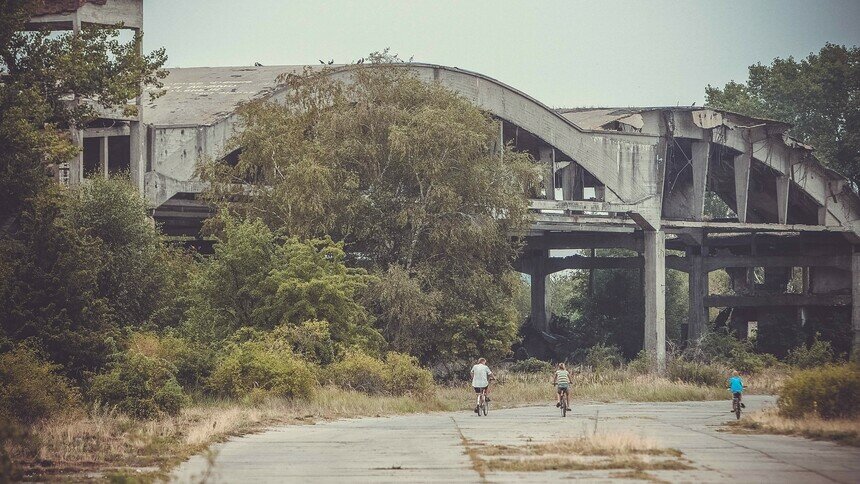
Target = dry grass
(845,431)
(766,382)
(103,440)
(591,452)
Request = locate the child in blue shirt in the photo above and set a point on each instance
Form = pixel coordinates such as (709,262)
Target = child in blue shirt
(736,386)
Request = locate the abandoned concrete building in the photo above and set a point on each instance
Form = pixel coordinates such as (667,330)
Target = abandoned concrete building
(632,178)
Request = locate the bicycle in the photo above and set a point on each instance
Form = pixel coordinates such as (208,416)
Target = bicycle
(736,405)
(564,403)
(483,404)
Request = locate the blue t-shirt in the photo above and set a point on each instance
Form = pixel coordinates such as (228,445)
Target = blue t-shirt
(736,385)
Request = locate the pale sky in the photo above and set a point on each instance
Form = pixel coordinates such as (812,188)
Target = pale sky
(564,53)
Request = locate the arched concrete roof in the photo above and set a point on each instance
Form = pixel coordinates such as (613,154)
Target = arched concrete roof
(629,162)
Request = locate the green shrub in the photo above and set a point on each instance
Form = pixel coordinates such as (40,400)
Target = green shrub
(140,386)
(311,340)
(531,365)
(695,372)
(31,389)
(406,376)
(192,361)
(818,354)
(398,374)
(721,347)
(640,364)
(252,366)
(831,391)
(603,357)
(361,372)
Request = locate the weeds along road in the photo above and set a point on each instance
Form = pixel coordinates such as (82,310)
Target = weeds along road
(453,447)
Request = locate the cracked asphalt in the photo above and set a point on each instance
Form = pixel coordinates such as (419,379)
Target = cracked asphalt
(432,447)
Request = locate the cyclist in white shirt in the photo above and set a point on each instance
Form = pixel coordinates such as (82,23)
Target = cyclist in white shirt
(481,376)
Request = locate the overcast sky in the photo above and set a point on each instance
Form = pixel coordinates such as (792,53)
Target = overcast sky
(564,53)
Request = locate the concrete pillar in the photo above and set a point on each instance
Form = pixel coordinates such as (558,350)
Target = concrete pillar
(698,314)
(76,164)
(137,141)
(655,297)
(103,155)
(855,305)
(547,161)
(539,318)
(783,183)
(701,151)
(742,183)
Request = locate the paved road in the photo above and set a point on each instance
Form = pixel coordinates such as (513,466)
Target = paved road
(430,447)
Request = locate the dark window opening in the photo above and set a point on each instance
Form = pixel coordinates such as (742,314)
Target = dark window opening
(92,164)
(119,155)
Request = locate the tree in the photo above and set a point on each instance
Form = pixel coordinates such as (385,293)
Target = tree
(818,95)
(259,280)
(83,266)
(41,73)
(409,176)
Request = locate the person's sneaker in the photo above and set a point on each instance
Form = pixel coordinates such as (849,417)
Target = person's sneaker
(488,398)
(477,410)
(568,410)
(557,405)
(743,406)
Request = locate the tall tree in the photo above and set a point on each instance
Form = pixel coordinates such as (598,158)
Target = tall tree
(409,175)
(818,95)
(40,74)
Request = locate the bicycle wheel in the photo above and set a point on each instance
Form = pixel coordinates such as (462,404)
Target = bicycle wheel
(563,405)
(485,407)
(737,410)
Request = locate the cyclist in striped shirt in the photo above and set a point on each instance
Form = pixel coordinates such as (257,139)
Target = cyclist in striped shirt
(561,380)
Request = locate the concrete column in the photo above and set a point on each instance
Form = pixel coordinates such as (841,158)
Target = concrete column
(655,297)
(76,164)
(698,314)
(701,151)
(855,305)
(137,141)
(103,155)
(783,183)
(547,161)
(742,183)
(539,318)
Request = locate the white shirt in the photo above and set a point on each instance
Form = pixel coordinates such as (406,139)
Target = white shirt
(480,375)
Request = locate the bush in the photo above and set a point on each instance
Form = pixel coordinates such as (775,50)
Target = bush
(531,365)
(832,391)
(311,340)
(192,362)
(252,366)
(140,386)
(721,347)
(818,354)
(603,357)
(399,374)
(406,376)
(361,372)
(696,373)
(640,364)
(30,388)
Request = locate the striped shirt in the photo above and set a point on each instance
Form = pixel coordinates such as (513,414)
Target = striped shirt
(562,377)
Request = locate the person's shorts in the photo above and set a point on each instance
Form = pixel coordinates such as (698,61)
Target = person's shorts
(736,394)
(479,389)
(563,388)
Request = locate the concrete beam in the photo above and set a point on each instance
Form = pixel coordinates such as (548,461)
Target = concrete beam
(583,240)
(742,183)
(655,298)
(776,300)
(701,157)
(722,261)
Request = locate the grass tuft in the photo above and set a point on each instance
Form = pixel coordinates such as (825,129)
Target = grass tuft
(844,431)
